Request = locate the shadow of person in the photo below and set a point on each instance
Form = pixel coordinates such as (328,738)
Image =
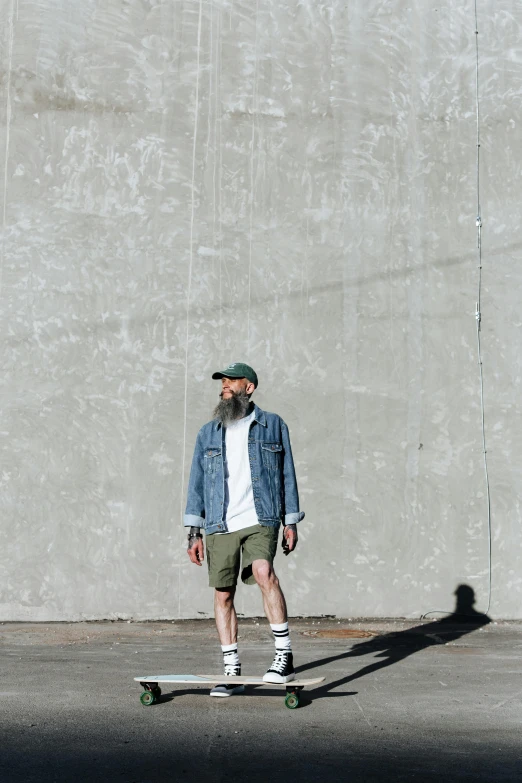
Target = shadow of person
(464,609)
(394,647)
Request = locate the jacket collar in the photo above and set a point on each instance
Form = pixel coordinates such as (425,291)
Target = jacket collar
(259,416)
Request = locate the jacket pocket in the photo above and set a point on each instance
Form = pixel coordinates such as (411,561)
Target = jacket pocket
(272,453)
(212,460)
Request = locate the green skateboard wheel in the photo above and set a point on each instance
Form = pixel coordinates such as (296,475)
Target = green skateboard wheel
(147,698)
(292,701)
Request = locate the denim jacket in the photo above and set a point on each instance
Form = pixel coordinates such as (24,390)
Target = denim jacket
(271,465)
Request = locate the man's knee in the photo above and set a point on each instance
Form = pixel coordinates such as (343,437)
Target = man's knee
(224,595)
(263,572)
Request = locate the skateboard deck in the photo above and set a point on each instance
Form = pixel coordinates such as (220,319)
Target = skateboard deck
(152,692)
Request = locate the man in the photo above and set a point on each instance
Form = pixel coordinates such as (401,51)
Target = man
(242,484)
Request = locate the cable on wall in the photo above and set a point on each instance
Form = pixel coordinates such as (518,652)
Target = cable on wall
(478,318)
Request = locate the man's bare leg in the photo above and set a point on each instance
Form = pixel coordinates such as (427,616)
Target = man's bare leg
(282,668)
(225,614)
(226,624)
(273,598)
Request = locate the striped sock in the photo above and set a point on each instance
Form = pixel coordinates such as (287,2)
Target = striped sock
(281,636)
(230,656)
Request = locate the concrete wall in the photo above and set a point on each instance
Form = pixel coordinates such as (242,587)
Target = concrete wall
(292,185)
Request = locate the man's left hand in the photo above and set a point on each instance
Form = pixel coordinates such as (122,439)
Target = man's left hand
(289,541)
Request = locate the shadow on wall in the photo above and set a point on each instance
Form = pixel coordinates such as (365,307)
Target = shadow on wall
(395,647)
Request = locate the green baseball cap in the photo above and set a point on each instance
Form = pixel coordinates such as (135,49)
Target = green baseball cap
(237,370)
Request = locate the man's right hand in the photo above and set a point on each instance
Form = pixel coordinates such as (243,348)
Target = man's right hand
(196,551)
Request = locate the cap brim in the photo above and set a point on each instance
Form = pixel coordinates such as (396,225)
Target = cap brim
(217,375)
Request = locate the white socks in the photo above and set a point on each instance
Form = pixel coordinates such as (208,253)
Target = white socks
(230,656)
(281,636)
(282,642)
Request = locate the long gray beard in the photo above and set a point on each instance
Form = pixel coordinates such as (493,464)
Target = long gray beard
(233,409)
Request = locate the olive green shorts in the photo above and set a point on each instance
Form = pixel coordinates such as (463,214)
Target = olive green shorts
(227,553)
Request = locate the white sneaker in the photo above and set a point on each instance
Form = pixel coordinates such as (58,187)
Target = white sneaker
(229,689)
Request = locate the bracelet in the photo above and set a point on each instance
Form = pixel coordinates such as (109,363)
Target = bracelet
(192,535)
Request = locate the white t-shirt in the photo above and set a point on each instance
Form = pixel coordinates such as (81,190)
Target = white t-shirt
(241,511)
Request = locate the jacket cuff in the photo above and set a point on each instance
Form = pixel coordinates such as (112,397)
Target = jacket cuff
(292,519)
(192,520)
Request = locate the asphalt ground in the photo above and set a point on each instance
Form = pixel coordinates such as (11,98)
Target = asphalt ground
(402,701)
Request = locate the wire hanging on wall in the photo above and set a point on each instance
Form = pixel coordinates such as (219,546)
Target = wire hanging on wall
(478,318)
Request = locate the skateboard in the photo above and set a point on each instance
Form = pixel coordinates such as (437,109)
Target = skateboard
(152,691)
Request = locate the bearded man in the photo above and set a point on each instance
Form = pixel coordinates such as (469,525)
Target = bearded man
(242,485)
